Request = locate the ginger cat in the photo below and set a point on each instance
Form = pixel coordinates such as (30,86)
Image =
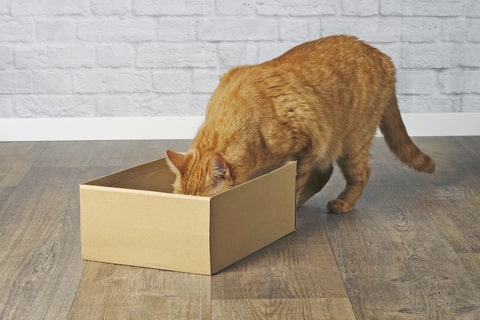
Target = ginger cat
(318,103)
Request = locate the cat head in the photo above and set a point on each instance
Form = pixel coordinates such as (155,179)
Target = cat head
(195,175)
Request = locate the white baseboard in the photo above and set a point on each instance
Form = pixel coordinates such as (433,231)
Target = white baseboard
(171,128)
(114,128)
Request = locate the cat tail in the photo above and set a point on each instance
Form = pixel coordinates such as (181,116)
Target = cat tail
(399,142)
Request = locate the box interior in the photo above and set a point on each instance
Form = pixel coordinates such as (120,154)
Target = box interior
(152,176)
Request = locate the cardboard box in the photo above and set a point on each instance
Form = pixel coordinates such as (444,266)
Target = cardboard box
(131,217)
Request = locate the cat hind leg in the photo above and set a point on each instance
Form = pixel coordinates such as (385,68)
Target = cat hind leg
(356,173)
(316,180)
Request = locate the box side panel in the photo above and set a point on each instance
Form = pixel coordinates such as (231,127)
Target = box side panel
(145,229)
(252,216)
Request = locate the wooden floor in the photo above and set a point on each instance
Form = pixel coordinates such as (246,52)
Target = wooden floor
(411,249)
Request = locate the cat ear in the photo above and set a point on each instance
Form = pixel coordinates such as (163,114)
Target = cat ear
(176,161)
(220,172)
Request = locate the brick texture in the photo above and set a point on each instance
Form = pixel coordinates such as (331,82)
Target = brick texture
(93,58)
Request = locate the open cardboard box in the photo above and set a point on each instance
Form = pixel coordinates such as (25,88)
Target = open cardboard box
(131,217)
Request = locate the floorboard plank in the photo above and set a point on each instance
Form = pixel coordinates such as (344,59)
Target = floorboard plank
(239,309)
(472,263)
(283,309)
(75,154)
(454,201)
(40,263)
(144,151)
(110,291)
(120,154)
(4,195)
(472,143)
(15,161)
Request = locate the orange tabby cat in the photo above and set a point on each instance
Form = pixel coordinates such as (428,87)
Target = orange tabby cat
(318,103)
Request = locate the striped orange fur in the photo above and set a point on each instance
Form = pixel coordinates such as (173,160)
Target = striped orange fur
(318,103)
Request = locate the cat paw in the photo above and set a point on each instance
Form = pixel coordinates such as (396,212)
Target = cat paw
(339,206)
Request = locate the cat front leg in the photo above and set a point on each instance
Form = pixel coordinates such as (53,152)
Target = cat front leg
(356,172)
(316,180)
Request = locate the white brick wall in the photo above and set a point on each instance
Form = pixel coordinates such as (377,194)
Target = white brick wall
(94,58)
